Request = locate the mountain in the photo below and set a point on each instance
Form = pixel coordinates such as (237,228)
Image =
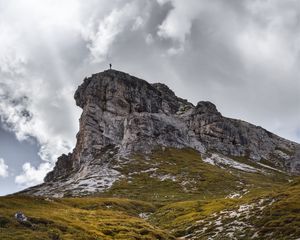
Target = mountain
(193,173)
(124,116)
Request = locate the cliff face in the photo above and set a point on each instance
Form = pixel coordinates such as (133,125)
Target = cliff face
(129,114)
(123,115)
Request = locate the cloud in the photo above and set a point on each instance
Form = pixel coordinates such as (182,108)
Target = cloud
(11,59)
(31,175)
(270,37)
(3,168)
(177,25)
(40,70)
(149,39)
(101,39)
(36,92)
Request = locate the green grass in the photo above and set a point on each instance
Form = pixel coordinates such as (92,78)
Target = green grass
(201,180)
(194,194)
(279,220)
(81,218)
(283,217)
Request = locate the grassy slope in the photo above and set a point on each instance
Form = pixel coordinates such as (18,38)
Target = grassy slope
(192,197)
(194,179)
(82,218)
(272,215)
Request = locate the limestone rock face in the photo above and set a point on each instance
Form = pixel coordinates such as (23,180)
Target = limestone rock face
(123,115)
(129,113)
(235,137)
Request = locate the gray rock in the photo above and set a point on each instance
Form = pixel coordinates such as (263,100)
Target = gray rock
(123,115)
(20,217)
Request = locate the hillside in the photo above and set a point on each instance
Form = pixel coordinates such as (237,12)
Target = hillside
(262,208)
(76,219)
(124,116)
(150,165)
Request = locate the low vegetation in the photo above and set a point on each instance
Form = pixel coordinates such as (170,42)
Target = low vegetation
(81,218)
(176,195)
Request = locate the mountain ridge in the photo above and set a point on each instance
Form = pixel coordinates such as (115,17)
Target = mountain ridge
(123,115)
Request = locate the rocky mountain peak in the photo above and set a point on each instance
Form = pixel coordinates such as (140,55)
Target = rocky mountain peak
(124,115)
(118,92)
(112,90)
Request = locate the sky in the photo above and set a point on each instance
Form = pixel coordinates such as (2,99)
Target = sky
(243,56)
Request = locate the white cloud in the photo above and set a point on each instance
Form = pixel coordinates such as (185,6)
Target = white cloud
(267,38)
(36,92)
(31,175)
(3,168)
(43,117)
(101,39)
(178,23)
(37,78)
(11,56)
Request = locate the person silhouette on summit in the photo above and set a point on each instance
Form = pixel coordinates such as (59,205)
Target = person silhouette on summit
(110,66)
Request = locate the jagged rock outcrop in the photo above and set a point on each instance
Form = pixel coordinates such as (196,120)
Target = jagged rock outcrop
(238,138)
(123,115)
(129,113)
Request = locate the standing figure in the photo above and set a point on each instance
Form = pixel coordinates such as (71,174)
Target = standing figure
(110,66)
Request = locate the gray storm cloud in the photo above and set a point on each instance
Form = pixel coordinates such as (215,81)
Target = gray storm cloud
(241,55)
